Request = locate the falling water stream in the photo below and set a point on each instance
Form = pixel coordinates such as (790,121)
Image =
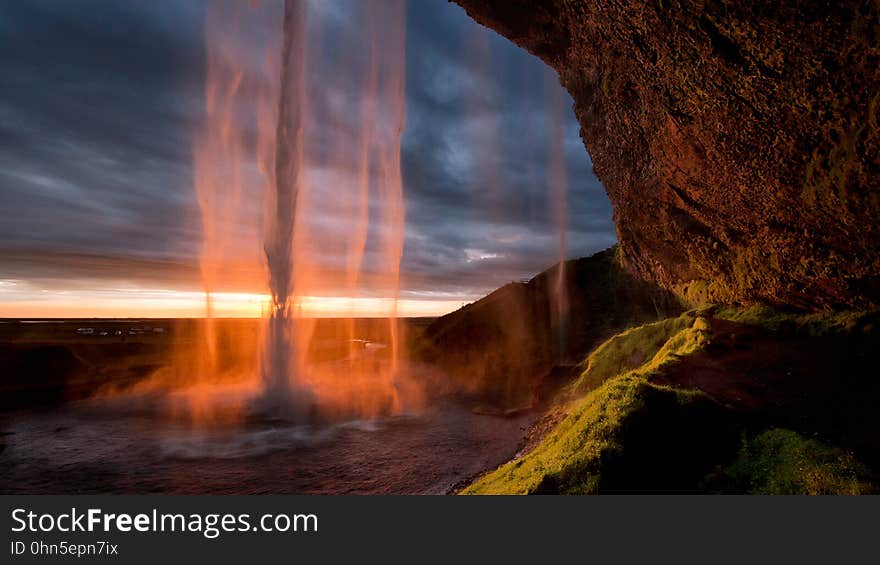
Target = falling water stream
(274,163)
(558,195)
(313,168)
(278,393)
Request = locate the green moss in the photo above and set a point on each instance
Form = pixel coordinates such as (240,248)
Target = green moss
(780,461)
(753,268)
(701,324)
(574,457)
(828,173)
(686,342)
(642,349)
(815,324)
(697,293)
(620,423)
(622,432)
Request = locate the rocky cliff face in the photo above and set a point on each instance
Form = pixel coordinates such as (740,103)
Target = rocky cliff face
(738,141)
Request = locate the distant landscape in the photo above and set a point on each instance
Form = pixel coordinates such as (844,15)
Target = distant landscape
(428,247)
(715,399)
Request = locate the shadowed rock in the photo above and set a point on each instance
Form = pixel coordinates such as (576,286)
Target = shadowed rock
(738,141)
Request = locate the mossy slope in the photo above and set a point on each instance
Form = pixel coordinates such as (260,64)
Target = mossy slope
(627,434)
(780,461)
(625,431)
(644,349)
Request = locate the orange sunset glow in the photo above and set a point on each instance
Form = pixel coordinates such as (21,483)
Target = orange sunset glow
(141,303)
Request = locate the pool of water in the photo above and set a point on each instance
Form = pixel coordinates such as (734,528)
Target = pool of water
(100,446)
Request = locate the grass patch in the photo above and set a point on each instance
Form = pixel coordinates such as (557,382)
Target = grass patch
(643,349)
(586,452)
(628,435)
(780,461)
(814,324)
(624,433)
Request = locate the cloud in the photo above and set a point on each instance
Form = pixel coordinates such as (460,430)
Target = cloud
(101,101)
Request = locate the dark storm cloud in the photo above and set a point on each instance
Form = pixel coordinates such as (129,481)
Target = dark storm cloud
(99,102)
(482,214)
(94,131)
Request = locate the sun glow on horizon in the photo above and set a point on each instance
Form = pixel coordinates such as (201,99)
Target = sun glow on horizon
(163,303)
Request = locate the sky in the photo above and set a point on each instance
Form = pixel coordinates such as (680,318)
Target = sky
(101,102)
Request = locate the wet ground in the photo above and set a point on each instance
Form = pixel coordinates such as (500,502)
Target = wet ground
(96,447)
